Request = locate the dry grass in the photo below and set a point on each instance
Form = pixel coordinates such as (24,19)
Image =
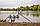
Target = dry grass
(18,24)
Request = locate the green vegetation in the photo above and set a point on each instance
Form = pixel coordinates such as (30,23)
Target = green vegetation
(21,8)
(18,24)
(32,24)
(27,8)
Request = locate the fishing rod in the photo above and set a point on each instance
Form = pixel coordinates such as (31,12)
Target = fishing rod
(22,16)
(25,17)
(10,16)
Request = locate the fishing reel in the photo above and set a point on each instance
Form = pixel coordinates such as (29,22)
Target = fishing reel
(17,17)
(12,18)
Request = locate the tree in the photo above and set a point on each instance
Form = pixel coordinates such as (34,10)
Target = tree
(39,7)
(27,8)
(21,8)
(18,9)
(13,9)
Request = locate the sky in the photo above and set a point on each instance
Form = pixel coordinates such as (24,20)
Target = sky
(17,3)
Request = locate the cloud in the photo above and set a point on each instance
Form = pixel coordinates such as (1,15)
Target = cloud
(17,3)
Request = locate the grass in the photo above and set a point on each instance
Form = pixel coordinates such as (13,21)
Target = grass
(19,24)
(31,24)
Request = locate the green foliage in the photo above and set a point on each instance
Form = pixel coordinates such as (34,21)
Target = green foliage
(32,24)
(21,8)
(18,24)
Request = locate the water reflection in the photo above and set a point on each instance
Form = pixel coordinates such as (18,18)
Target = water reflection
(28,14)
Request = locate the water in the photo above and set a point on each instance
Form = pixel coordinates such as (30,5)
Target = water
(5,14)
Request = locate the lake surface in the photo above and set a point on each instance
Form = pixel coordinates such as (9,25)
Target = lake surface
(5,14)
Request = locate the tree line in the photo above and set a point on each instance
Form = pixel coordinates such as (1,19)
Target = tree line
(21,8)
